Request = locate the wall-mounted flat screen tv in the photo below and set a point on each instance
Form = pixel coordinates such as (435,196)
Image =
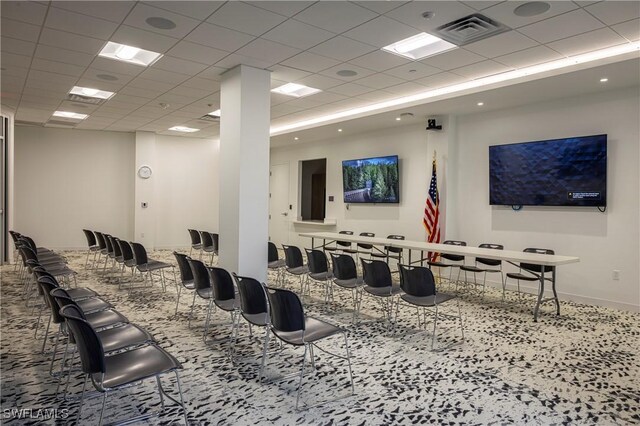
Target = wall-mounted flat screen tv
(371,180)
(558,172)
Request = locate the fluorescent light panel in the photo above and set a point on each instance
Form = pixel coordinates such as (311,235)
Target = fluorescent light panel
(130,54)
(184,129)
(69,114)
(91,93)
(215,113)
(295,90)
(506,76)
(419,46)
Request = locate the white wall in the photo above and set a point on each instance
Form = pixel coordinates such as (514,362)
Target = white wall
(66,180)
(603,242)
(186,186)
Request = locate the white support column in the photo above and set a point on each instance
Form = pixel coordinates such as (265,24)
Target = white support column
(244,171)
(145,217)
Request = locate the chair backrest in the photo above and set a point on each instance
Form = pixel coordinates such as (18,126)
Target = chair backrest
(27,253)
(30,242)
(195,236)
(273,252)
(317,261)
(285,310)
(127,251)
(344,267)
(139,253)
(417,281)
(183,265)
(117,250)
(376,273)
(454,257)
(91,238)
(394,249)
(206,239)
(221,283)
(87,341)
(214,240)
(292,256)
(533,267)
(364,245)
(344,243)
(14,236)
(62,299)
(108,239)
(253,299)
(102,244)
(490,262)
(47,285)
(200,274)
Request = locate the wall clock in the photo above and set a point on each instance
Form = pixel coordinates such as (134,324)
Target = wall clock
(144,172)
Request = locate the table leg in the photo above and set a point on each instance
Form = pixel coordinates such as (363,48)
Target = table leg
(409,257)
(555,294)
(540,294)
(312,243)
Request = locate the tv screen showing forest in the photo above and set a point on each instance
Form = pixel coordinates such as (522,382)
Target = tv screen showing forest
(371,180)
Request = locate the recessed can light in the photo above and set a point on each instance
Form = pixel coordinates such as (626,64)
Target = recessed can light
(532,8)
(480,103)
(604,80)
(398,118)
(160,23)
(339,130)
(296,138)
(347,73)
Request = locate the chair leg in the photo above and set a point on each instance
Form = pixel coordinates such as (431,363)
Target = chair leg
(184,408)
(104,402)
(304,360)
(348,356)
(160,392)
(84,385)
(265,353)
(46,335)
(55,352)
(61,373)
(460,317)
(193,303)
(435,329)
(206,324)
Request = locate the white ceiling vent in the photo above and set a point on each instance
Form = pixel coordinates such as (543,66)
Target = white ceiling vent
(85,99)
(209,117)
(470,29)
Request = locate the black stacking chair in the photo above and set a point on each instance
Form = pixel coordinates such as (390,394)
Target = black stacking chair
(255,310)
(419,287)
(379,284)
(144,264)
(275,263)
(459,259)
(345,275)
(319,271)
(485,266)
(295,265)
(224,294)
(186,276)
(102,247)
(99,320)
(117,250)
(115,372)
(111,254)
(290,324)
(196,242)
(528,271)
(209,244)
(361,248)
(57,269)
(92,245)
(128,260)
(201,281)
(390,252)
(340,245)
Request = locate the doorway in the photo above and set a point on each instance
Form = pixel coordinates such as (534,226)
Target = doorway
(313,189)
(279,208)
(4,146)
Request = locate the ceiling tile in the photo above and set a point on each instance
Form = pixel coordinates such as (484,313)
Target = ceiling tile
(380,6)
(412,71)
(310,62)
(562,26)
(612,14)
(297,34)
(443,13)
(23,11)
(630,29)
(342,48)
(280,72)
(234,59)
(72,22)
(320,81)
(19,30)
(13,72)
(380,61)
(361,72)
(12,60)
(77,107)
(141,92)
(163,76)
(114,11)
(587,42)
(405,89)
(441,80)
(194,9)
(138,16)
(528,57)
(377,96)
(303,103)
(101,84)
(268,51)
(453,59)
(212,73)
(380,81)
(219,37)
(337,16)
(57,67)
(63,55)
(19,47)
(144,83)
(65,40)
(479,4)
(245,18)
(143,39)
(503,12)
(481,69)
(197,53)
(282,109)
(168,63)
(31,114)
(118,67)
(501,44)
(286,8)
(381,32)
(133,100)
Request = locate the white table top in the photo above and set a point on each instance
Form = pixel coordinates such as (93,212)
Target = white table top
(506,255)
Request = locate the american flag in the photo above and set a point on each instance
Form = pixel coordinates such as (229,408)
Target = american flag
(431,219)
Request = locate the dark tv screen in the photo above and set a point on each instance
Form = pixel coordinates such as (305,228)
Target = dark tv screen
(558,172)
(371,180)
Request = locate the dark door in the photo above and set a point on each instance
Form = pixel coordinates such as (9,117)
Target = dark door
(318,191)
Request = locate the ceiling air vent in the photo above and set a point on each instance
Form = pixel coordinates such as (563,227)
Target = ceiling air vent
(60,123)
(470,29)
(209,117)
(85,99)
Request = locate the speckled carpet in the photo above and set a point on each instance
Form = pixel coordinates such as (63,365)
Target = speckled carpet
(581,368)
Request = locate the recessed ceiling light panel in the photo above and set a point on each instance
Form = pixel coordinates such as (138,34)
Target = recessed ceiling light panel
(91,93)
(295,90)
(130,54)
(419,46)
(71,115)
(184,129)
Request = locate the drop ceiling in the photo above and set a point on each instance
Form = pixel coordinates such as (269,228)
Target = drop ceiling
(49,47)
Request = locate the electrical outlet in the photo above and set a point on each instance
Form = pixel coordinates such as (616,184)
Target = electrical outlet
(616,275)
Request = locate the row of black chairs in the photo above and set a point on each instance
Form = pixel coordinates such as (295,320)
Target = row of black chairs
(204,242)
